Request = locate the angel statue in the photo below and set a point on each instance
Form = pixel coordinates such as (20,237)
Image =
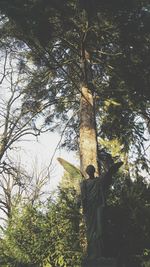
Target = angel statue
(92,197)
(93,201)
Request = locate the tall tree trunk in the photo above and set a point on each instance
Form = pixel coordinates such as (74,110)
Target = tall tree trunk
(88,137)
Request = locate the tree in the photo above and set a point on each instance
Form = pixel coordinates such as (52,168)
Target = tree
(92,57)
(35,234)
(17,120)
(17,186)
(48,232)
(17,114)
(126,228)
(92,52)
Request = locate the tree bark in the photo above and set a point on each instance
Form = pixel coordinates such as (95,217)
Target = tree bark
(88,137)
(88,133)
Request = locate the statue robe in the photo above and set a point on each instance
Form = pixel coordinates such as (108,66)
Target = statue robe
(93,202)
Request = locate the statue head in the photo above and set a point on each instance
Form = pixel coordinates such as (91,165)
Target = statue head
(90,170)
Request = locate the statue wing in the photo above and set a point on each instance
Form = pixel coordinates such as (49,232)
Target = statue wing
(74,172)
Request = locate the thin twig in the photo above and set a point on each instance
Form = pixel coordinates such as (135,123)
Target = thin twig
(59,142)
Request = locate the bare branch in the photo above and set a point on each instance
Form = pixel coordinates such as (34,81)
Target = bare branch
(4,67)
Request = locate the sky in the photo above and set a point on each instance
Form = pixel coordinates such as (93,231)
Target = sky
(38,154)
(32,152)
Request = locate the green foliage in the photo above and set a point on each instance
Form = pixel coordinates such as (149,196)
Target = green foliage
(114,147)
(118,40)
(66,246)
(117,37)
(44,237)
(127,216)
(25,234)
(53,234)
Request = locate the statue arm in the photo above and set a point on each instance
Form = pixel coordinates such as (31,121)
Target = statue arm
(107,178)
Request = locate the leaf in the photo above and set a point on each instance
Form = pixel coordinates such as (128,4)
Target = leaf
(71,169)
(109,102)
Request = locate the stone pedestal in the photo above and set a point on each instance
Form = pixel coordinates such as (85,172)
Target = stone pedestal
(102,262)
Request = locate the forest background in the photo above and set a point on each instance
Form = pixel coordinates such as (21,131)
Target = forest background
(80,68)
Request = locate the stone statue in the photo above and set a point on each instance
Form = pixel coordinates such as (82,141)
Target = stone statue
(93,192)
